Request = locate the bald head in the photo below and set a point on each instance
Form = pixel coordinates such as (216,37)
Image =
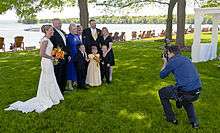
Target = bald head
(57,23)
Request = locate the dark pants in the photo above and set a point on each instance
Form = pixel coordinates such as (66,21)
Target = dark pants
(81,78)
(60,73)
(88,49)
(170,93)
(105,72)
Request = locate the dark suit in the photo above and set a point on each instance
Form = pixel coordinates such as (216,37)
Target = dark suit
(89,41)
(60,69)
(81,67)
(105,69)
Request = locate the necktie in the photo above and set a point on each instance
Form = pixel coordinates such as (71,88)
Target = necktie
(94,34)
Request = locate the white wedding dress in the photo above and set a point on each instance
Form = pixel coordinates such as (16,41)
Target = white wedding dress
(48,93)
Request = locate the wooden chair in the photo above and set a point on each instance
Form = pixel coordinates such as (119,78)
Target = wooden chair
(122,36)
(153,34)
(206,29)
(18,43)
(186,31)
(2,44)
(148,34)
(162,34)
(139,35)
(191,30)
(116,37)
(142,35)
(134,35)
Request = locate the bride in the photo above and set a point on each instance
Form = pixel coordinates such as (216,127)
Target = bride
(48,93)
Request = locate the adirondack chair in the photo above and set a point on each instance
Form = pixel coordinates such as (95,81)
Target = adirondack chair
(206,29)
(142,35)
(153,34)
(186,31)
(18,43)
(191,30)
(134,35)
(148,34)
(116,37)
(2,44)
(122,36)
(162,34)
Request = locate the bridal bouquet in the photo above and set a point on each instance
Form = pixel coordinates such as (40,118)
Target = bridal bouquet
(58,54)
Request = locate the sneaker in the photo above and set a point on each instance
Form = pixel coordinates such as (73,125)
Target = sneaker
(175,122)
(195,125)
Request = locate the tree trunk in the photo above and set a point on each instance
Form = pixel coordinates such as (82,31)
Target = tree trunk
(84,13)
(181,16)
(169,24)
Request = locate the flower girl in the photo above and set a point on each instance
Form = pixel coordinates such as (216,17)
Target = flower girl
(93,77)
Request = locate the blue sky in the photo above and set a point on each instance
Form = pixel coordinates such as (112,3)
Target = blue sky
(69,12)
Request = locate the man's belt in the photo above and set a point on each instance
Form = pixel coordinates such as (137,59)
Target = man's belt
(193,92)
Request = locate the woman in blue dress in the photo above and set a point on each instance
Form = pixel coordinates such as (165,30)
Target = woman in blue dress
(73,42)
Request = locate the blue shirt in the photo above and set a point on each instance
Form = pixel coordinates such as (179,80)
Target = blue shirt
(185,73)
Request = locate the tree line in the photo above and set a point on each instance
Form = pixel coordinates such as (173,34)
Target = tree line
(27,11)
(123,20)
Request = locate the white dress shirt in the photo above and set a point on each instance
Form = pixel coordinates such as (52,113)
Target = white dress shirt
(62,35)
(94,33)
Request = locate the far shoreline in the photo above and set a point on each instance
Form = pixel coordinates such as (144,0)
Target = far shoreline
(121,20)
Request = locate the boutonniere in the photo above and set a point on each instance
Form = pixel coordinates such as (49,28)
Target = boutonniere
(98,32)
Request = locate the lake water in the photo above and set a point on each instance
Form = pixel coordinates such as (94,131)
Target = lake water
(10,29)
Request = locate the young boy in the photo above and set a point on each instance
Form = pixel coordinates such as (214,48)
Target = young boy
(106,62)
(81,66)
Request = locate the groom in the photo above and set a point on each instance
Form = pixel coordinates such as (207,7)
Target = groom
(91,37)
(59,40)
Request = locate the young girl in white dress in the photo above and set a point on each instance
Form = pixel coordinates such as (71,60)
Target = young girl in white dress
(93,77)
(48,93)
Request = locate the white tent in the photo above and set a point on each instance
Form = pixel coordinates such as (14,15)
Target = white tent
(205,51)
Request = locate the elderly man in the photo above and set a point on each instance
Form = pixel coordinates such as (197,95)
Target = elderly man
(59,40)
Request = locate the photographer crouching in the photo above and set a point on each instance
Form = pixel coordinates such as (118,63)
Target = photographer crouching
(187,87)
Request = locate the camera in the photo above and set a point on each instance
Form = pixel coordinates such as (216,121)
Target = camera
(165,49)
(165,54)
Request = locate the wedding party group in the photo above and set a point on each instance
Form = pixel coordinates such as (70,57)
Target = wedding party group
(82,58)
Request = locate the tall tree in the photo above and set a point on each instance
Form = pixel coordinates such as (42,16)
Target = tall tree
(84,14)
(27,9)
(181,19)
(169,24)
(6,5)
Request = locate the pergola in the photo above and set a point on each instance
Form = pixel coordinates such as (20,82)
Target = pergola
(205,51)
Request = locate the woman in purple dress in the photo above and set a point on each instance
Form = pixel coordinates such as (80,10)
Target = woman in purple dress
(73,42)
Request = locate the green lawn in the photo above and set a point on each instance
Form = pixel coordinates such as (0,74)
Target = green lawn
(129,105)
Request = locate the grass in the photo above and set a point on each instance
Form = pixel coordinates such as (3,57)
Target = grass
(205,38)
(129,105)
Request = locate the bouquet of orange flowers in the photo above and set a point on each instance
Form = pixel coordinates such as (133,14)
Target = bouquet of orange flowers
(97,59)
(58,54)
